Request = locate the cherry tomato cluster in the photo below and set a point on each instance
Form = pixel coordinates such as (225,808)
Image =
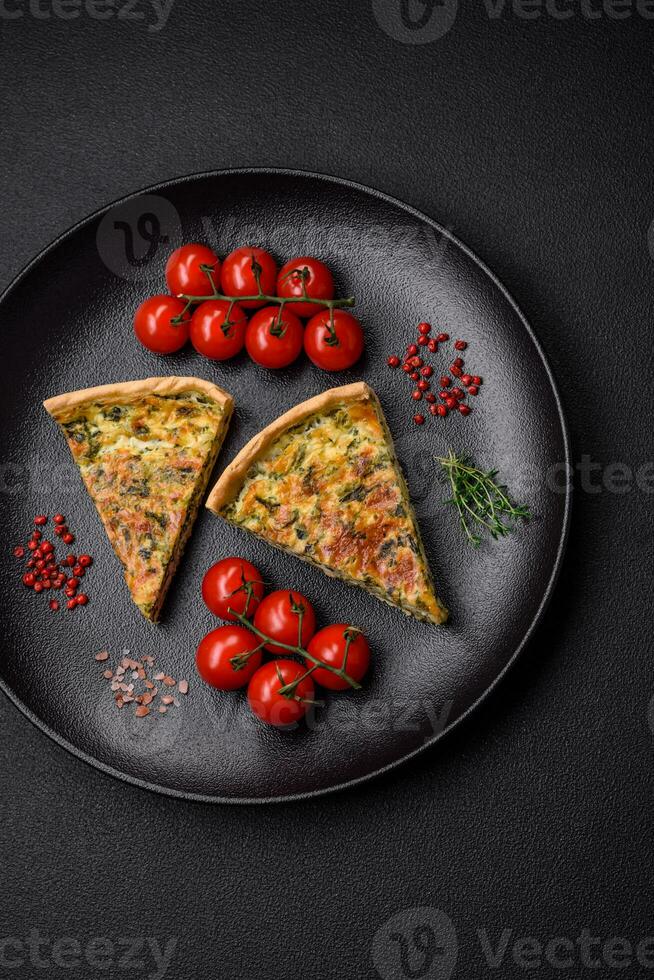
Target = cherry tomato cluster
(283,623)
(452,399)
(208,301)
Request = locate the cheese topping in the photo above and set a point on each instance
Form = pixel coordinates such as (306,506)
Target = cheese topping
(330,490)
(145,464)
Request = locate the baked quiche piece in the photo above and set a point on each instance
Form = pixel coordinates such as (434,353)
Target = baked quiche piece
(145,450)
(323,483)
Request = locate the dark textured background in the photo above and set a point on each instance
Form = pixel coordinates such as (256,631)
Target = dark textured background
(532,141)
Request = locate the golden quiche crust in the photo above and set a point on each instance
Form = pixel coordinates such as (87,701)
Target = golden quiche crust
(145,450)
(322,482)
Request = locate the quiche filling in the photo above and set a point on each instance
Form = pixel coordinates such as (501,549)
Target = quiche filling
(329,489)
(145,462)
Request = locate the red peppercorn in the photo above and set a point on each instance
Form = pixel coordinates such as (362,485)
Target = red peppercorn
(59,519)
(466,379)
(85,561)
(427,371)
(423,341)
(433,409)
(70,560)
(424,328)
(40,520)
(79,571)
(442,337)
(419,419)
(412,349)
(477,380)
(457,393)
(29,579)
(460,345)
(416,362)
(54,605)
(443,395)
(32,545)
(458,361)
(36,535)
(47,583)
(423,385)
(465,409)
(47,547)
(430,397)
(414,376)
(407,368)
(452,403)
(416,395)
(71,603)
(82,599)
(38,587)
(393,362)
(73,583)
(19,552)
(445,381)
(456,371)
(441,410)
(473,390)
(68,538)
(432,345)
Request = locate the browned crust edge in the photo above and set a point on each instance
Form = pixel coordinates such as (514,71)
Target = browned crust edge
(60,404)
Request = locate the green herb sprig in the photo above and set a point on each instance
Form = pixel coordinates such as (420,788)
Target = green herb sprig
(481,502)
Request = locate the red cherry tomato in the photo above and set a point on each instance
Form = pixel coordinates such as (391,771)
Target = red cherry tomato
(217,651)
(305,277)
(272,707)
(271,343)
(333,349)
(329,646)
(238,276)
(154,327)
(211,332)
(183,272)
(225,587)
(279,615)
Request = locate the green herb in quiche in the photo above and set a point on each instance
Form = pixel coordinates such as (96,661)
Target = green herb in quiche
(481,502)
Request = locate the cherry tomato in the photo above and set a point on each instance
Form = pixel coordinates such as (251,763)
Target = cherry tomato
(183,272)
(329,645)
(213,335)
(154,327)
(305,277)
(273,344)
(238,275)
(337,349)
(215,654)
(271,706)
(225,587)
(278,616)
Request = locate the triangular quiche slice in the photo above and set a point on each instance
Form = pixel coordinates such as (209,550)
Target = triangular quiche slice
(323,483)
(145,450)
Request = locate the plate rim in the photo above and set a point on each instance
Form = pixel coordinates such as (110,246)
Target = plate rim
(563,540)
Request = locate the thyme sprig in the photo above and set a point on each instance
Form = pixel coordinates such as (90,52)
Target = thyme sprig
(481,502)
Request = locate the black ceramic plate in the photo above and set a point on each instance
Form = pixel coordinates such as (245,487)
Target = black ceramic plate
(66,324)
